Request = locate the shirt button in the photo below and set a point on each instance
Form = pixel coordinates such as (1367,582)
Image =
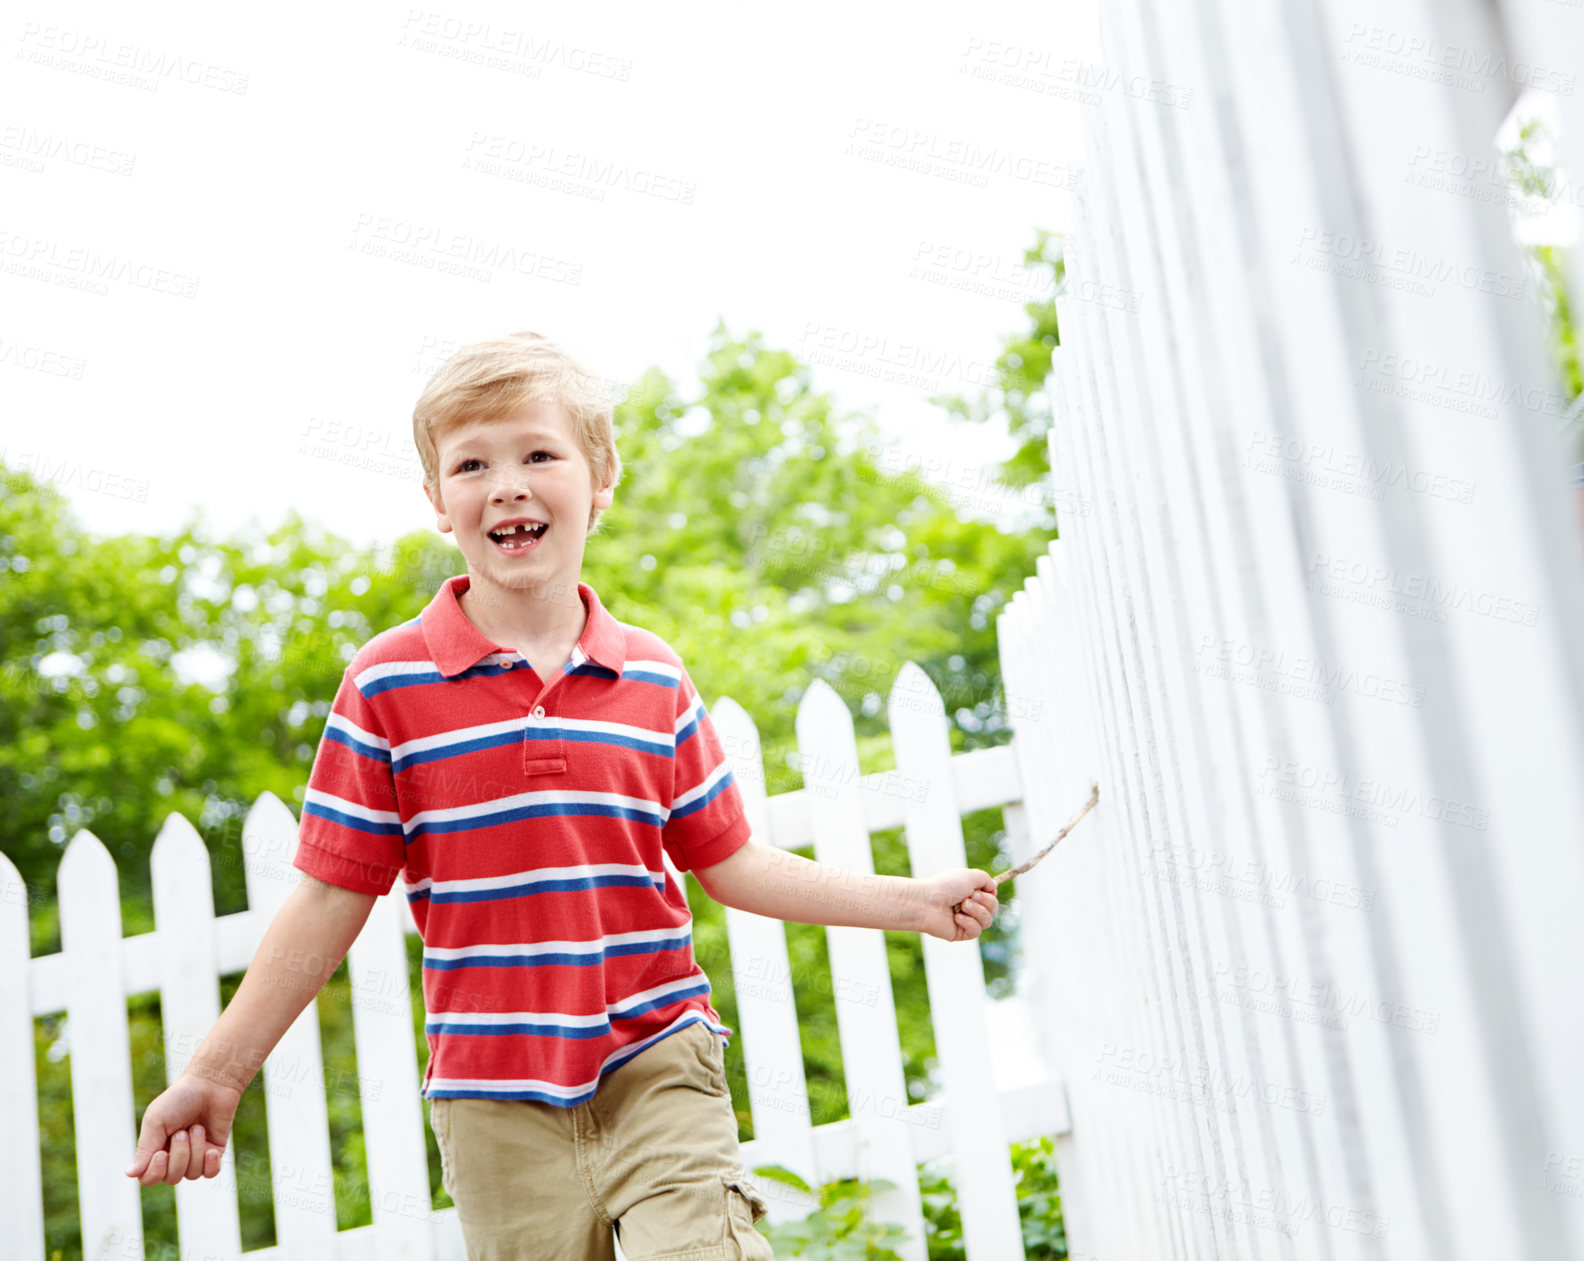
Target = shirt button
(538,711)
(507,665)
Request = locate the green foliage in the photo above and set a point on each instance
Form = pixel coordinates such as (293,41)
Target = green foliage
(1017,394)
(942,1219)
(841,1224)
(841,1227)
(1038,1200)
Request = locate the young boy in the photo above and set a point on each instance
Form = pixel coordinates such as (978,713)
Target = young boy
(523,760)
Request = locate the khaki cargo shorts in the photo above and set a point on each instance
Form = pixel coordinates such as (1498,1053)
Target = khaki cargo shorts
(652,1158)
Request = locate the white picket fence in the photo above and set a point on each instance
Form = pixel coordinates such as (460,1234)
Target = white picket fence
(986,1062)
(1316,625)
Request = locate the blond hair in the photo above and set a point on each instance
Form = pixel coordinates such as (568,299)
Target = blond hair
(491,379)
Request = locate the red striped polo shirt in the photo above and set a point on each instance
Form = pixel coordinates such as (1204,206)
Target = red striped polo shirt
(530,821)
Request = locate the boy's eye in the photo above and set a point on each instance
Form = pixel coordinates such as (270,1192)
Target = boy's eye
(464,465)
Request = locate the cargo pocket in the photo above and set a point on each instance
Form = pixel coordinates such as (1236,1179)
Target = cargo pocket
(744,1207)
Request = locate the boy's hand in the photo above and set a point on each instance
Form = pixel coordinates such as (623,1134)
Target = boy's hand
(185,1131)
(975,889)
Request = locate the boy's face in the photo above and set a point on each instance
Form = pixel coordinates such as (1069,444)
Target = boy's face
(527,467)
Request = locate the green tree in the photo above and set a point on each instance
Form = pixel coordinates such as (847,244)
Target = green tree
(1017,396)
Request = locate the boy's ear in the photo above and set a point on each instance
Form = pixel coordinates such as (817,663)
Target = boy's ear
(442,521)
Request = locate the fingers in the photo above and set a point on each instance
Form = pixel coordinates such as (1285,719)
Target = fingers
(180,1152)
(977,913)
(150,1150)
(153,1172)
(200,1154)
(192,1157)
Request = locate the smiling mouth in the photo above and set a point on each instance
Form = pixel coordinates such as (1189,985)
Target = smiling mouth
(518,538)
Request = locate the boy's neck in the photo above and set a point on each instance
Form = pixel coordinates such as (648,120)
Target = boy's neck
(512,619)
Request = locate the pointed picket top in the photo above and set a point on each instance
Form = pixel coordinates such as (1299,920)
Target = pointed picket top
(86,864)
(269,843)
(913,696)
(178,843)
(921,745)
(725,705)
(21,1175)
(13,895)
(820,699)
(13,889)
(828,753)
(739,737)
(922,697)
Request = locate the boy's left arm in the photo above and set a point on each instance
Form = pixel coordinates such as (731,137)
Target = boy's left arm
(786,886)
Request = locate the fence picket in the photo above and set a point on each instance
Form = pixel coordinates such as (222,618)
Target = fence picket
(763,985)
(21,1174)
(294,1098)
(189,1006)
(100,1048)
(393,1120)
(955,974)
(871,1049)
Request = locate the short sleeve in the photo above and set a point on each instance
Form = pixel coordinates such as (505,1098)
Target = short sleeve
(707,822)
(350,834)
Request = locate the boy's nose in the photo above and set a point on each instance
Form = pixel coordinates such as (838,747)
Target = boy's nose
(511,486)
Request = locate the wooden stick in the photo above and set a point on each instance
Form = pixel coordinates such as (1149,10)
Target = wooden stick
(1022,867)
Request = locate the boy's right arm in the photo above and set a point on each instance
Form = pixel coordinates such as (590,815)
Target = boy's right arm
(301,949)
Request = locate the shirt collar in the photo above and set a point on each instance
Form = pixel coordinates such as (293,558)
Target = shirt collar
(455,644)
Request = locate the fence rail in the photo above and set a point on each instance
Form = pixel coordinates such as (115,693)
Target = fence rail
(984,1059)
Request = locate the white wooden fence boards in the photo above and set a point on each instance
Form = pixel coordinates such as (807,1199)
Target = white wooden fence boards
(991,1096)
(762,985)
(871,1046)
(101,1069)
(297,1113)
(986,1198)
(21,1175)
(1314,624)
(189,1006)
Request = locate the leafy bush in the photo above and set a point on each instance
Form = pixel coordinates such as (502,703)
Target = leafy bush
(1038,1200)
(840,1227)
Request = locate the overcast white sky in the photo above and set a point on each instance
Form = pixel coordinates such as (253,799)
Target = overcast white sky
(206,303)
